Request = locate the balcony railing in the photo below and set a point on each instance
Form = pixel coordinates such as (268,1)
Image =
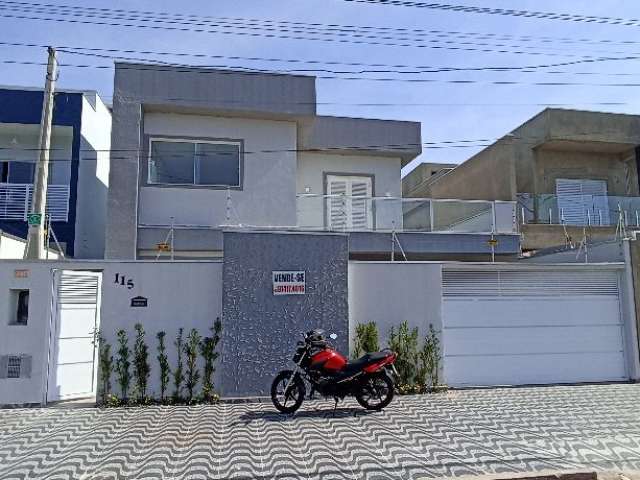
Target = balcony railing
(15,201)
(578,210)
(387,214)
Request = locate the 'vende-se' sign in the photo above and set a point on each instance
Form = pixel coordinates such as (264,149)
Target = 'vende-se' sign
(289,283)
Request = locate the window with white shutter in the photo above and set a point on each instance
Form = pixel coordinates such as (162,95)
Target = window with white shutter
(582,201)
(349,204)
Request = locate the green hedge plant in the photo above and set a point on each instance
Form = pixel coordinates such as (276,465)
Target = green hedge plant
(163,362)
(366,339)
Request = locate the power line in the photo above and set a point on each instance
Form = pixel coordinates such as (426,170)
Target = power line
(570,17)
(234,70)
(231,70)
(375,67)
(457,143)
(349,28)
(299,34)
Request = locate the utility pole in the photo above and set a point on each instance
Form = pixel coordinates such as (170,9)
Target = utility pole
(35,239)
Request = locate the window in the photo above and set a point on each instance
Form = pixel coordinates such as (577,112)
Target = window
(19,301)
(182,162)
(349,204)
(13,366)
(582,202)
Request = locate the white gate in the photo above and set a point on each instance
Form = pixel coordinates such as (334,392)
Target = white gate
(72,356)
(540,326)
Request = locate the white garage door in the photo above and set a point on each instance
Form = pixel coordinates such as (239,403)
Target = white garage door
(531,327)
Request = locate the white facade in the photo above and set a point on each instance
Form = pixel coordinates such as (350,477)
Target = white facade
(267,195)
(187,295)
(93,177)
(383,173)
(544,324)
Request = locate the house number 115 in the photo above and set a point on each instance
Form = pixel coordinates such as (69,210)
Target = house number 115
(123,281)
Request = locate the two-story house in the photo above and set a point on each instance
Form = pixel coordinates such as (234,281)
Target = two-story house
(197,151)
(570,171)
(78,169)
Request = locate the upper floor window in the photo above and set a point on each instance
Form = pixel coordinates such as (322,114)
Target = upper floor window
(187,162)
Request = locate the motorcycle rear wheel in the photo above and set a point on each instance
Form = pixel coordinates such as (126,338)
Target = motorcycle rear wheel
(290,400)
(376,392)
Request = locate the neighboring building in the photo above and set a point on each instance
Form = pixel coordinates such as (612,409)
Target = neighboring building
(203,150)
(567,169)
(416,183)
(78,172)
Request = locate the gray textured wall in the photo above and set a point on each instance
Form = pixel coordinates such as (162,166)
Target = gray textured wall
(261,329)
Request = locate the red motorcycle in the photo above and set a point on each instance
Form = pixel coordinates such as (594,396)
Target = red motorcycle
(369,378)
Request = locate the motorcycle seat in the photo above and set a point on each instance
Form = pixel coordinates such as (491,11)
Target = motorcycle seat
(365,360)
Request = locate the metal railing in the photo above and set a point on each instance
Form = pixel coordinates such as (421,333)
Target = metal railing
(15,201)
(578,210)
(387,214)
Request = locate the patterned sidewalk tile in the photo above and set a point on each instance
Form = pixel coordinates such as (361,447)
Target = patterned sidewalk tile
(471,432)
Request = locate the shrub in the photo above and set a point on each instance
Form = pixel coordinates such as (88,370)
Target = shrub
(404,343)
(141,368)
(122,364)
(366,339)
(192,376)
(106,367)
(165,370)
(210,355)
(430,359)
(178,375)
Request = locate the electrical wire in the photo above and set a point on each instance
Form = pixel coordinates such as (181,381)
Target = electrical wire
(277,33)
(572,17)
(375,67)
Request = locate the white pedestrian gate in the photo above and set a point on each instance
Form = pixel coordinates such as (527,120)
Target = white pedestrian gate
(76,316)
(541,326)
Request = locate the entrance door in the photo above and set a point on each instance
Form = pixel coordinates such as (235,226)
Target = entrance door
(72,360)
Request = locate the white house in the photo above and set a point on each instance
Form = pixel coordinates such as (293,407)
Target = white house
(197,150)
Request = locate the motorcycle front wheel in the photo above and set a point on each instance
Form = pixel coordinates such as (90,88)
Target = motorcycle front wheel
(287,400)
(375,392)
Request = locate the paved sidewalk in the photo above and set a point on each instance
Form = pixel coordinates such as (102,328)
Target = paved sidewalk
(459,433)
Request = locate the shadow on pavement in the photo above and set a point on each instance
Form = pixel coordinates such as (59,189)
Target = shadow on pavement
(328,413)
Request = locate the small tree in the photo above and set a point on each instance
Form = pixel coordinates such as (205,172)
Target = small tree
(178,375)
(123,363)
(210,355)
(141,368)
(366,339)
(430,359)
(191,353)
(105,365)
(163,360)
(404,343)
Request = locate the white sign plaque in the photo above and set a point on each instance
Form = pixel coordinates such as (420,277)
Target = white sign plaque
(289,282)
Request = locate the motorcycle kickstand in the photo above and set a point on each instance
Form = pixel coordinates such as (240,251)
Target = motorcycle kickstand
(335,407)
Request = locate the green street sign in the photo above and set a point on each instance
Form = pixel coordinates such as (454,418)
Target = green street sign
(34,219)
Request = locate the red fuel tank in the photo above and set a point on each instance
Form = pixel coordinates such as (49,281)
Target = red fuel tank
(329,360)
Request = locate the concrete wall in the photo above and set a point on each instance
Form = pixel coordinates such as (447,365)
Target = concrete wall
(416,183)
(187,295)
(556,143)
(180,295)
(364,135)
(93,178)
(261,329)
(495,166)
(267,196)
(311,179)
(390,293)
(13,247)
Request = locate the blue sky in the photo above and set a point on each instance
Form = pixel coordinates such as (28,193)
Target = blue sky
(448,112)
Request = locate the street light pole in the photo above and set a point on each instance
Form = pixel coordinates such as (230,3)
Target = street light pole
(35,238)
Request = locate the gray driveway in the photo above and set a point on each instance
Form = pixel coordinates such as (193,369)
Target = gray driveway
(458,433)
